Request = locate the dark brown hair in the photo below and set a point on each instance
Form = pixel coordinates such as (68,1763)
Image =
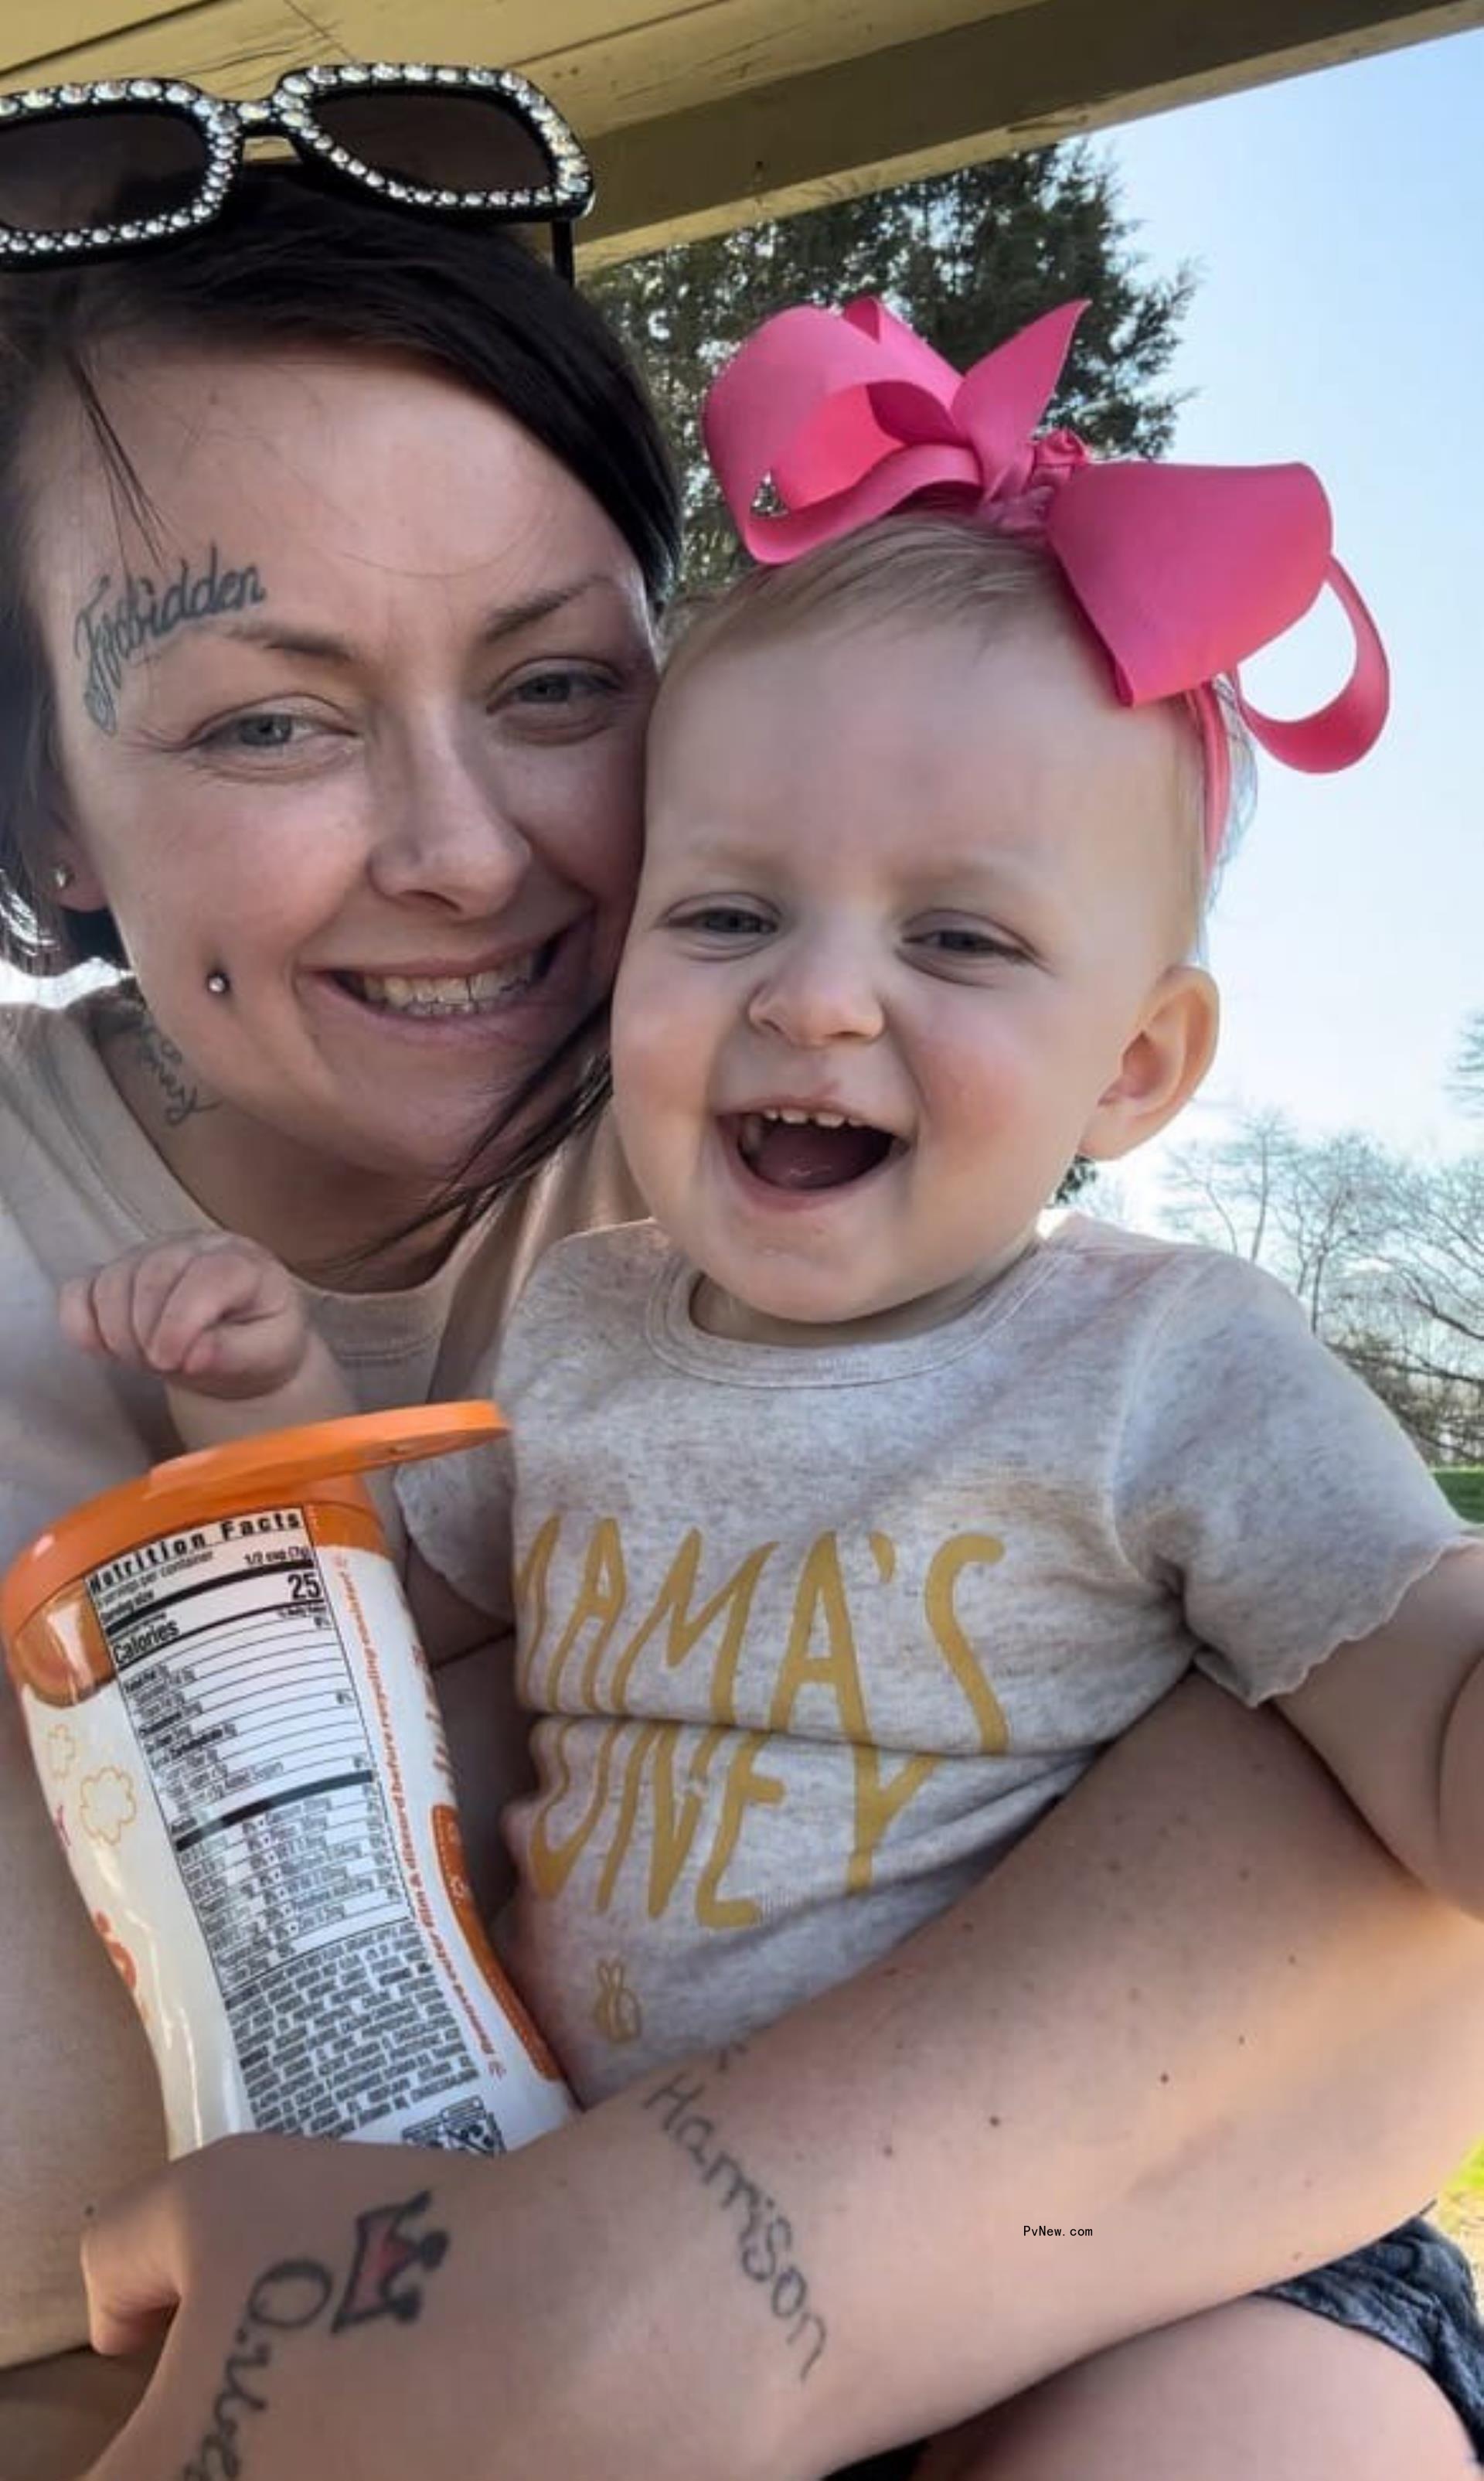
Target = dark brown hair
(293,263)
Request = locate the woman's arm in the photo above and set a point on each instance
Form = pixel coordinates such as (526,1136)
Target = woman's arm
(1199,2011)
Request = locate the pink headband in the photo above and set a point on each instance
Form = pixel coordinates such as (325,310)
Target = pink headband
(1180,570)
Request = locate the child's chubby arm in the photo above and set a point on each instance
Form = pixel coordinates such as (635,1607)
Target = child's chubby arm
(226,1329)
(1398,1718)
(221,1325)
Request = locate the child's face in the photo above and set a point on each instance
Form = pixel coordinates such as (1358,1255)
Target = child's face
(932,887)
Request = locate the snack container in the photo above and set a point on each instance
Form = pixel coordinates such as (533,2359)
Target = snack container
(238,1739)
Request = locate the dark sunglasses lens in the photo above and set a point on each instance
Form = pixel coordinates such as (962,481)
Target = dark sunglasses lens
(437,142)
(95,167)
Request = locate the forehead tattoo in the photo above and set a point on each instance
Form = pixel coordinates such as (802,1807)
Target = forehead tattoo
(118,623)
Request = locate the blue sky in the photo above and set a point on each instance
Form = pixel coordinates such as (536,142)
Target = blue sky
(1337,222)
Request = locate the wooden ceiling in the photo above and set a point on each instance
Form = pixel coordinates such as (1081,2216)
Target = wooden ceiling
(701,115)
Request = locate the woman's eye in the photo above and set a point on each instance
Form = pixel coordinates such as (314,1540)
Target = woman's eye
(252,734)
(567,693)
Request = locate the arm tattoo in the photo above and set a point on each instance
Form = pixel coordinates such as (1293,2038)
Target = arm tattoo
(763,2236)
(117,623)
(297,2293)
(181,1096)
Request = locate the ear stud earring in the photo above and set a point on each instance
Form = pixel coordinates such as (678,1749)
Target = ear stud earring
(63,876)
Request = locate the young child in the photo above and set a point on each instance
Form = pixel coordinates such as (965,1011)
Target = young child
(848,1513)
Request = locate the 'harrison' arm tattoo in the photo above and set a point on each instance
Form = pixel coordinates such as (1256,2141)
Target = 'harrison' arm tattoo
(763,2234)
(181,1097)
(299,2292)
(118,622)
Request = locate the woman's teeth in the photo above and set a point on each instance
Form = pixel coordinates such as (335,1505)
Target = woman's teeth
(444,993)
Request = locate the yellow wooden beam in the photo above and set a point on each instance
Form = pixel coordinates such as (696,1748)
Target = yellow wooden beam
(612,60)
(958,96)
(703,114)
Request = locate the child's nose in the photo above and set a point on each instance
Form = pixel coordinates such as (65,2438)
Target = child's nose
(817,996)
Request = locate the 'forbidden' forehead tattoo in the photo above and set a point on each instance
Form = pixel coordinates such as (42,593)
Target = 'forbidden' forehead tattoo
(118,623)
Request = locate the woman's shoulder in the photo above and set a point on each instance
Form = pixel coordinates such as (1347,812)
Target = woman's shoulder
(74,1160)
(45,1050)
(586,1188)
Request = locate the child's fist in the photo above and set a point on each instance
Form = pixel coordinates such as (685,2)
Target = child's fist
(212,1313)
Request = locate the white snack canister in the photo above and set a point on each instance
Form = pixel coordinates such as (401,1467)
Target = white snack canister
(238,1739)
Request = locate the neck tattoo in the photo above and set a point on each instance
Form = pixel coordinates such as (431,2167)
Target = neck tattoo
(180,1097)
(115,624)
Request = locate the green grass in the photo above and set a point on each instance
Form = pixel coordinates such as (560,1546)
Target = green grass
(1468,2179)
(1462,1485)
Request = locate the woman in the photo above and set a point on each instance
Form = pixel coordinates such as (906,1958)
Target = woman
(334,545)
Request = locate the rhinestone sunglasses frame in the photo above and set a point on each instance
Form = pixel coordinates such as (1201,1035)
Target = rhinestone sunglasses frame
(288,112)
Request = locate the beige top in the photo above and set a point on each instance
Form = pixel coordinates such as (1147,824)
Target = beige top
(80,1183)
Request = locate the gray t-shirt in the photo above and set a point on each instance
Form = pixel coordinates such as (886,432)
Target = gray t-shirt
(814,1635)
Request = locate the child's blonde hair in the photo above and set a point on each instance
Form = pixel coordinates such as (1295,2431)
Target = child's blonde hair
(935,568)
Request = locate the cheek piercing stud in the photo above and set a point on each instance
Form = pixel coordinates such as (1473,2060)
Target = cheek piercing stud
(63,876)
(218,983)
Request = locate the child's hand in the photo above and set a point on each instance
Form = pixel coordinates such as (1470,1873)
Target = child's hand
(214,1315)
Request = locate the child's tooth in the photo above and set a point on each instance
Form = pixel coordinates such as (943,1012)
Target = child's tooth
(794,1119)
(830,1119)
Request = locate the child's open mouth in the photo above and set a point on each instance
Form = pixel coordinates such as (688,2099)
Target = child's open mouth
(793,1150)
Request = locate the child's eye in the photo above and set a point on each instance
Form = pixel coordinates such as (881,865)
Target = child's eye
(960,940)
(723,921)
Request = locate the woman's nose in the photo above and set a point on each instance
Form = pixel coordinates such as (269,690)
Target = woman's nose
(444,837)
(822,992)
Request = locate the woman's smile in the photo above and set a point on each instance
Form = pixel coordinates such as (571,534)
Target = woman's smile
(409,878)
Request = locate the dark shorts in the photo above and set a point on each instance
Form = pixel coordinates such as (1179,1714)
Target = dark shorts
(1411,2289)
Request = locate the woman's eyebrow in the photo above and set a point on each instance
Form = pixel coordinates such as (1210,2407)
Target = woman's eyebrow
(321,646)
(509,620)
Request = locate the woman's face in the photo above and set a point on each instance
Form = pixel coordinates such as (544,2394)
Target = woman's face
(357,723)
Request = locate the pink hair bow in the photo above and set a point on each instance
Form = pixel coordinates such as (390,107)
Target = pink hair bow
(1180,570)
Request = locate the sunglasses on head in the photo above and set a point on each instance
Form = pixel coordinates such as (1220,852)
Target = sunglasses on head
(468,143)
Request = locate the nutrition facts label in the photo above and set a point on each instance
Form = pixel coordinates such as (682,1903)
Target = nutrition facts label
(246,1702)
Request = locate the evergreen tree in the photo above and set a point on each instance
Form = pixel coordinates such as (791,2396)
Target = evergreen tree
(967,258)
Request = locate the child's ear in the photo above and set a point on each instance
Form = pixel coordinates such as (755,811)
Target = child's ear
(1166,1057)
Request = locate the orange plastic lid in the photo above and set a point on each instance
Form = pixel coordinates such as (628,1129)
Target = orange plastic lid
(225,1481)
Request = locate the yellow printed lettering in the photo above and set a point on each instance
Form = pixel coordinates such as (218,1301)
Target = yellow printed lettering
(552,1863)
(877,1804)
(645,1740)
(820,1594)
(675,1834)
(744,1789)
(965,1550)
(531,1598)
(600,1598)
(683,1632)
(883,1550)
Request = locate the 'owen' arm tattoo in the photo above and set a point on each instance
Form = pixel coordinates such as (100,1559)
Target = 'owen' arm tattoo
(299,2292)
(117,622)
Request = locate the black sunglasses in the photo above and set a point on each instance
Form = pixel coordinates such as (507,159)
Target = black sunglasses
(483,144)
